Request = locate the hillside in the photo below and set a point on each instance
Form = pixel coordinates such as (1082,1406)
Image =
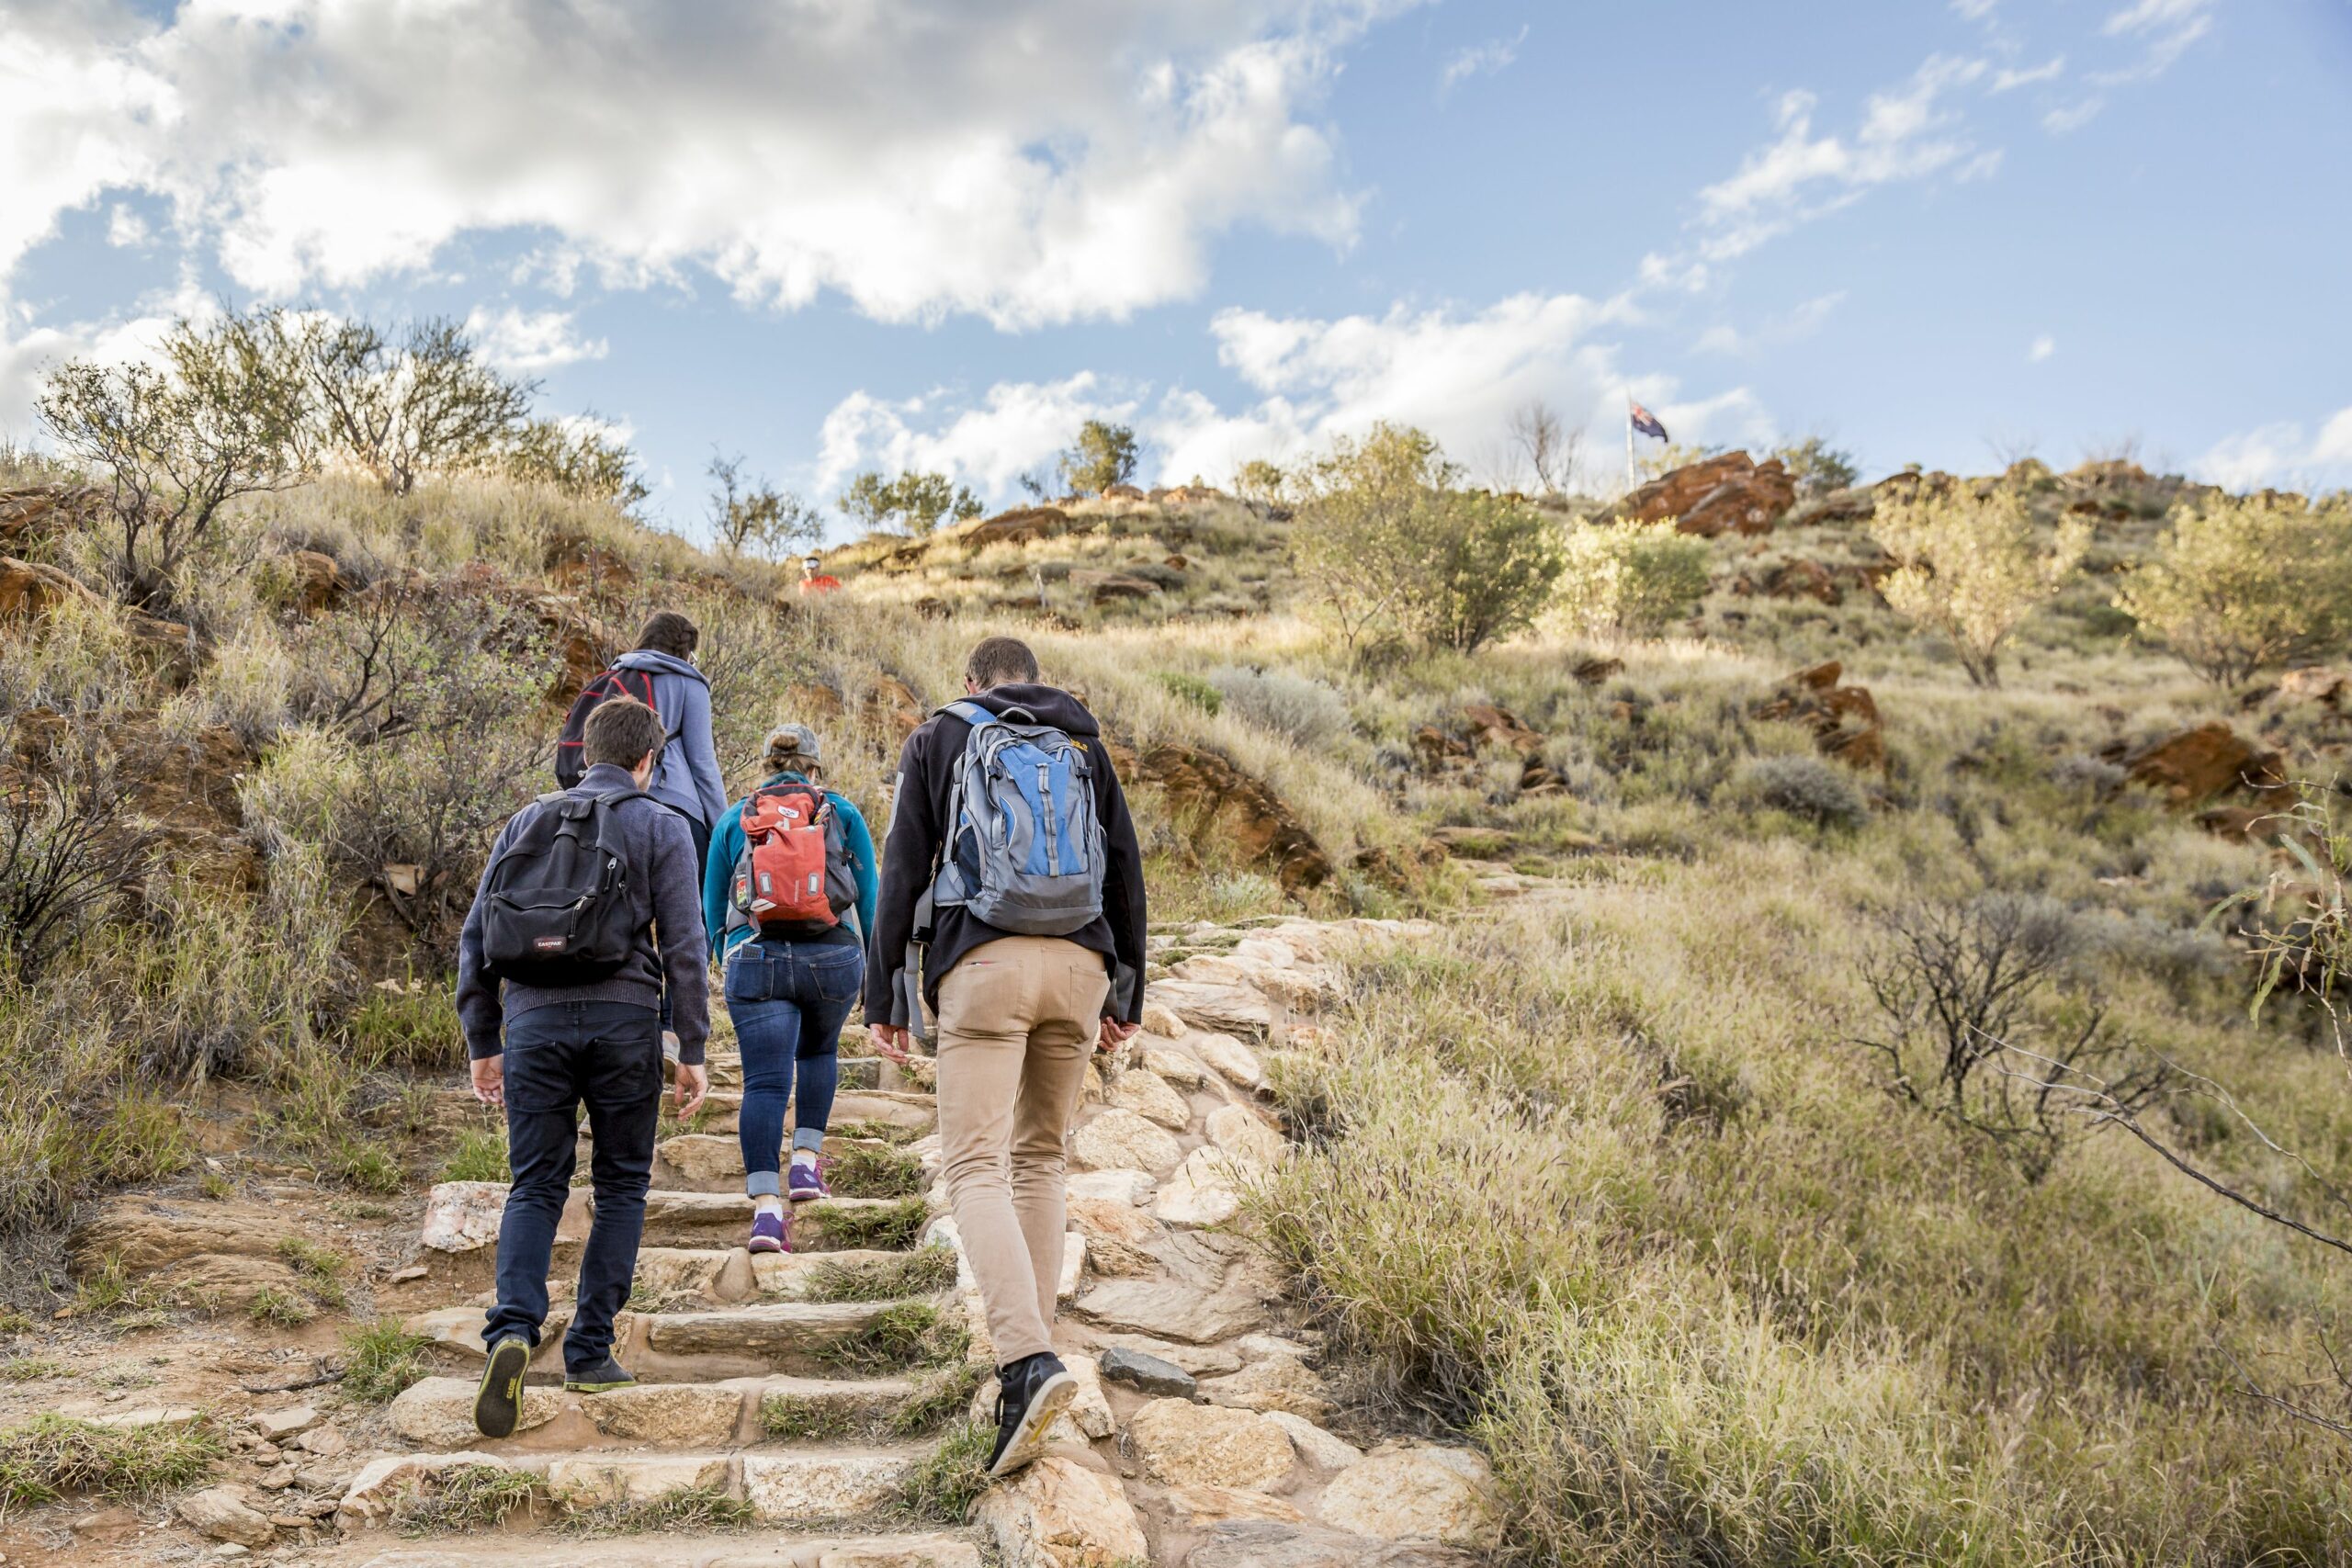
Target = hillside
(1628,1169)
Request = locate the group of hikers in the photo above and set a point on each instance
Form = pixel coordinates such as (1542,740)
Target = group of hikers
(1003,921)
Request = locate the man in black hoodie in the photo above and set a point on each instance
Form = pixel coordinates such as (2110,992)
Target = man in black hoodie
(1017,1015)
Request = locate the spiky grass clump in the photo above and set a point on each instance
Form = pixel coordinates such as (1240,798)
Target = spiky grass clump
(924,1272)
(466,1497)
(687,1508)
(479,1155)
(55,1456)
(380,1361)
(894,1228)
(866,1169)
(940,1396)
(910,1334)
(946,1482)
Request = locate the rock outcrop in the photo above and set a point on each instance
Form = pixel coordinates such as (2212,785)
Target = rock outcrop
(1730,494)
(1215,802)
(1844,720)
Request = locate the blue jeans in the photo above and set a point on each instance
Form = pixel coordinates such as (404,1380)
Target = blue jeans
(606,1055)
(788,1001)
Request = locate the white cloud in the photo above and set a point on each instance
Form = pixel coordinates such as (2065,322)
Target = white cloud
(2043,347)
(528,342)
(126,231)
(1974,10)
(1904,134)
(1454,373)
(2072,117)
(1479,59)
(2280,456)
(1776,331)
(2007,79)
(1030,161)
(2166,28)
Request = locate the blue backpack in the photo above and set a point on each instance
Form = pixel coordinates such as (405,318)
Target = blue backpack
(1024,852)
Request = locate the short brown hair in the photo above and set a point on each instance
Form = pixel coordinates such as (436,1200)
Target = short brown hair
(666,631)
(999,660)
(621,731)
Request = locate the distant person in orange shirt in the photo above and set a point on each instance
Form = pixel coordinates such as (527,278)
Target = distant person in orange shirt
(813,580)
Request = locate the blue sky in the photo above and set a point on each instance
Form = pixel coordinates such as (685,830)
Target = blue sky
(846,234)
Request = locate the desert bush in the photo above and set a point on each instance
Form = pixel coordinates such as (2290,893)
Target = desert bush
(1957,985)
(2243,584)
(70,844)
(1971,570)
(1102,455)
(919,499)
(1808,788)
(753,516)
(1305,709)
(1386,541)
(223,416)
(1629,580)
(397,404)
(581,458)
(1817,466)
(1260,482)
(1202,694)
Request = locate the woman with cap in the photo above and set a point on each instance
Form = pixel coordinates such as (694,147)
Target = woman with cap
(789,986)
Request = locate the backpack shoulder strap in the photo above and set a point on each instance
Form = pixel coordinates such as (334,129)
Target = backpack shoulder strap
(971,713)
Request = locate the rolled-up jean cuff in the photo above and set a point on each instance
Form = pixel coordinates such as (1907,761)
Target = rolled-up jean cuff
(808,1138)
(762,1184)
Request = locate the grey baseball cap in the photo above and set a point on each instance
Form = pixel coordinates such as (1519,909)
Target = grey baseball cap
(794,740)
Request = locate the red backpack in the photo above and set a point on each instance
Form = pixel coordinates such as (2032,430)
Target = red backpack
(793,878)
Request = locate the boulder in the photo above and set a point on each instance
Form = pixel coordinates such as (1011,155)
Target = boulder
(1205,1191)
(1119,1236)
(1195,1508)
(1020,526)
(1269,1544)
(1844,720)
(1110,587)
(1121,1140)
(1443,1495)
(1726,493)
(1179,1068)
(1231,1058)
(1270,1383)
(1314,1445)
(1492,725)
(40,511)
(1180,1443)
(2314,685)
(463,1216)
(1058,1514)
(1802,580)
(29,589)
(223,1513)
(1254,1147)
(318,582)
(1149,1096)
(1216,1006)
(280,1426)
(1215,802)
(1171,1309)
(1133,1187)
(2197,765)
(892,709)
(1593,669)
(1146,1373)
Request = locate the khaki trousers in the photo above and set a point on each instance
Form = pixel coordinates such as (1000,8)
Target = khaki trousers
(1017,1021)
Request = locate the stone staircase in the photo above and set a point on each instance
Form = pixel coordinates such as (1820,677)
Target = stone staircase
(796,1397)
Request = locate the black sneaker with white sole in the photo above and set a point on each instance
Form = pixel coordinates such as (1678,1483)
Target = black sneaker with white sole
(498,1404)
(1030,1393)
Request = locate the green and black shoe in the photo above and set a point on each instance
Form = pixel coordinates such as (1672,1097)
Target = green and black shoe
(602,1378)
(498,1404)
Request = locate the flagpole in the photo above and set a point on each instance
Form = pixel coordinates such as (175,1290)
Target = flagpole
(1629,442)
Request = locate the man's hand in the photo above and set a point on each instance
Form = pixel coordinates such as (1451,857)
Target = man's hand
(693,1082)
(893,1041)
(490,1079)
(1113,1034)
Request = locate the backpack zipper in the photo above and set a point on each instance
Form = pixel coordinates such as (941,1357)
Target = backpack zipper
(1053,819)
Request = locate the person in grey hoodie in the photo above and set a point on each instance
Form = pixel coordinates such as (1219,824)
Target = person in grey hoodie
(686,777)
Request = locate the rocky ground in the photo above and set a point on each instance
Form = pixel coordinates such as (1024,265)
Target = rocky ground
(799,1410)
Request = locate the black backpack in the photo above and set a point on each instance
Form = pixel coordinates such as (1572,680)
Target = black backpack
(570,760)
(555,905)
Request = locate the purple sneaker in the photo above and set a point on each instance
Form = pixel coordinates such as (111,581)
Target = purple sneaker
(806,1180)
(770,1233)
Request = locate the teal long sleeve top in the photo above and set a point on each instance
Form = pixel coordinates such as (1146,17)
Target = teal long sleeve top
(726,848)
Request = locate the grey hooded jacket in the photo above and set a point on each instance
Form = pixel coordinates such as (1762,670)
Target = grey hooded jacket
(687,775)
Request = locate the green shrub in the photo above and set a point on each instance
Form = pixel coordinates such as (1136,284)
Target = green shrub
(1807,788)
(1972,570)
(1299,706)
(1629,579)
(479,1156)
(413,1027)
(2243,584)
(1192,689)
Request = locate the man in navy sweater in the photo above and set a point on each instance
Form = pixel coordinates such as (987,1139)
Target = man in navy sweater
(598,1043)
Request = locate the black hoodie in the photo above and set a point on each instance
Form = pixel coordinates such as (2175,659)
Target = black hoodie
(920,812)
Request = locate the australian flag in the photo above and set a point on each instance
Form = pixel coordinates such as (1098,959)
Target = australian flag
(1646,421)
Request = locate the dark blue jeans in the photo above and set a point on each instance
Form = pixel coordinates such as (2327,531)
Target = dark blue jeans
(607,1056)
(788,1001)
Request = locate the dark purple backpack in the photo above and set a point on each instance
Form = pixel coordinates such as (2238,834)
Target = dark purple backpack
(570,749)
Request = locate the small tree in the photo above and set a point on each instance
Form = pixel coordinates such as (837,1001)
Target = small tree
(1630,579)
(1549,447)
(576,457)
(1973,569)
(1260,482)
(756,518)
(922,500)
(398,407)
(1385,540)
(1817,466)
(223,417)
(2240,583)
(1104,455)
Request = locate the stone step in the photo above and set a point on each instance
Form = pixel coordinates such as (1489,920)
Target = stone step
(703,1220)
(902,1109)
(855,1167)
(747,1339)
(670,1279)
(438,1414)
(782,1486)
(669,1549)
